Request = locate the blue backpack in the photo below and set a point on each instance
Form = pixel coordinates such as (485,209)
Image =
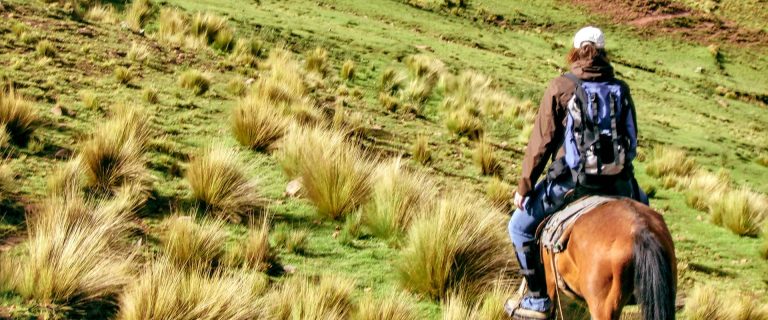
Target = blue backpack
(597,134)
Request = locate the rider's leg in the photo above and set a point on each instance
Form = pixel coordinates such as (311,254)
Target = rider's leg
(545,199)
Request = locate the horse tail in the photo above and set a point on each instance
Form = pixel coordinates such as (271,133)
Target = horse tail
(654,278)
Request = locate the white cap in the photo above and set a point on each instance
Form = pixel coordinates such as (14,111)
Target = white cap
(589,34)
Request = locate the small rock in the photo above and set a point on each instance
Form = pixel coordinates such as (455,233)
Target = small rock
(63,154)
(289,269)
(699,70)
(336,234)
(503,144)
(293,188)
(62,111)
(250,81)
(57,111)
(85,32)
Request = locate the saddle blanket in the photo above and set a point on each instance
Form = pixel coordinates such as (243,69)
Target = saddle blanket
(560,221)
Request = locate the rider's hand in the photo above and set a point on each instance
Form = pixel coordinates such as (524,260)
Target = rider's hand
(518,201)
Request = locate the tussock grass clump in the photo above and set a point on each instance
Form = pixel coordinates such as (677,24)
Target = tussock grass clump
(90,99)
(188,244)
(347,72)
(389,102)
(218,180)
(317,61)
(294,146)
(102,13)
(397,198)
(66,181)
(123,75)
(285,83)
(425,67)
(114,155)
(329,297)
(762,160)
(707,302)
(75,253)
(420,150)
(138,14)
(670,162)
(392,307)
(237,87)
(335,175)
(246,52)
(456,248)
(138,52)
(297,241)
(741,210)
(465,123)
(499,193)
(392,81)
(17,116)
(210,27)
(196,81)
(485,159)
(256,123)
(173,27)
(225,40)
(764,247)
(163,291)
(704,188)
(46,49)
(150,95)
(254,252)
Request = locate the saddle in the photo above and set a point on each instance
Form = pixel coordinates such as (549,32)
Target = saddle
(555,231)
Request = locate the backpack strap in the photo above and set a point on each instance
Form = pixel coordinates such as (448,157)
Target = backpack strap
(581,96)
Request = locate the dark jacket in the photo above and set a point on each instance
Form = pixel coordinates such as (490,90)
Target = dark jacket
(546,138)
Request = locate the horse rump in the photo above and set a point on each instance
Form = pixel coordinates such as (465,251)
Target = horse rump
(654,277)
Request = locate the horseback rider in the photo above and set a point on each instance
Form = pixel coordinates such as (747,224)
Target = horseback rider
(586,124)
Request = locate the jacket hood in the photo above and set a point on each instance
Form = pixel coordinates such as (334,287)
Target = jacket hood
(595,70)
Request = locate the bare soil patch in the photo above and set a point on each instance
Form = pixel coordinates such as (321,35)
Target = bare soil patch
(653,17)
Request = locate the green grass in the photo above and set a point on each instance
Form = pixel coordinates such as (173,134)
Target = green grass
(676,106)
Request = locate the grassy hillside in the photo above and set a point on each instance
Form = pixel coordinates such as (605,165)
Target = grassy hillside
(80,71)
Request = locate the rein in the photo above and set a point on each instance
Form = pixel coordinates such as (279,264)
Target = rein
(557,287)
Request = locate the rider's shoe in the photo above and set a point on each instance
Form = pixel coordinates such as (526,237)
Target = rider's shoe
(530,308)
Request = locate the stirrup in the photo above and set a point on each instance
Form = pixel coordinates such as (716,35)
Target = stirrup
(513,309)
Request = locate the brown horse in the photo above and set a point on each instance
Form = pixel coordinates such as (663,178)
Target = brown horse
(619,250)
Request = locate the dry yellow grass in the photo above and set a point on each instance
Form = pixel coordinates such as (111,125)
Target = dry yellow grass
(137,14)
(317,61)
(335,174)
(397,306)
(17,116)
(75,252)
(195,80)
(347,72)
(257,124)
(668,161)
(255,251)
(420,150)
(163,291)
(499,193)
(485,159)
(456,248)
(219,181)
(102,13)
(397,197)
(114,155)
(329,297)
(189,244)
(703,188)
(742,211)
(465,123)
